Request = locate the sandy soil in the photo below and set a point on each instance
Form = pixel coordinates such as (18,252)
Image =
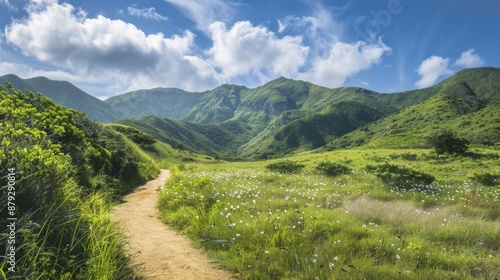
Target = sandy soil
(158,251)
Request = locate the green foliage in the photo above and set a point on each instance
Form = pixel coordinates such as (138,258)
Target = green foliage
(401,177)
(487,178)
(332,168)
(197,193)
(287,116)
(409,156)
(447,142)
(210,139)
(58,154)
(285,166)
(136,135)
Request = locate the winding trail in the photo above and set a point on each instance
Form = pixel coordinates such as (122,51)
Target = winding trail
(158,251)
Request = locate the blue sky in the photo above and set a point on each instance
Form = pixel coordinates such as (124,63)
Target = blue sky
(110,47)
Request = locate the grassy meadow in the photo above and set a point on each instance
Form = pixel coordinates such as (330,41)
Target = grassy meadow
(359,223)
(341,191)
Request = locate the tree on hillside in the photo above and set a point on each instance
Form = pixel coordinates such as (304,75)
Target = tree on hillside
(446,141)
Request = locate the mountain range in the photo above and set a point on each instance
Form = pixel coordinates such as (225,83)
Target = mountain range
(285,116)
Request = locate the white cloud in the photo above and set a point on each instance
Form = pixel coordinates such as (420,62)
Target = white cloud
(118,56)
(320,30)
(431,69)
(344,60)
(326,20)
(205,12)
(292,22)
(469,59)
(25,71)
(147,13)
(246,49)
(109,50)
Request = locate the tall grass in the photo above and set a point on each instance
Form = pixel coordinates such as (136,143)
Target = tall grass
(104,243)
(75,240)
(266,225)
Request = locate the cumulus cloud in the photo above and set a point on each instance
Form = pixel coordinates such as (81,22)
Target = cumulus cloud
(344,61)
(247,49)
(431,69)
(107,49)
(118,56)
(147,13)
(205,12)
(469,59)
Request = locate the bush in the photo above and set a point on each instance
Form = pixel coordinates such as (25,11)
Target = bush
(447,142)
(486,178)
(57,156)
(332,168)
(409,156)
(285,166)
(401,176)
(136,135)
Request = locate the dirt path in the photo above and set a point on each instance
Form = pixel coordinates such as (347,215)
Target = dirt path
(158,251)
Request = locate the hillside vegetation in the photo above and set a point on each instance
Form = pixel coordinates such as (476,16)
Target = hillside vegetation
(59,172)
(68,95)
(360,194)
(468,103)
(286,116)
(347,214)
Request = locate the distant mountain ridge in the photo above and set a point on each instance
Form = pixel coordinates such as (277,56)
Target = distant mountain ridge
(68,95)
(285,116)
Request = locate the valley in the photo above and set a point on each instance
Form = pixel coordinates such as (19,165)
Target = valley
(288,180)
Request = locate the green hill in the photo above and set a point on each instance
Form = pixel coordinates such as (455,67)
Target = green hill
(210,139)
(467,103)
(60,171)
(162,102)
(285,116)
(66,94)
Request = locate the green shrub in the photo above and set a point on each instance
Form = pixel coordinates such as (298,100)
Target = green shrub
(136,135)
(285,166)
(332,168)
(59,158)
(402,177)
(447,142)
(409,156)
(486,178)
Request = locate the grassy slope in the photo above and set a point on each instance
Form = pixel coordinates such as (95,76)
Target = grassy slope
(210,139)
(288,134)
(218,105)
(65,168)
(286,116)
(67,95)
(159,153)
(162,102)
(467,103)
(68,172)
(264,225)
